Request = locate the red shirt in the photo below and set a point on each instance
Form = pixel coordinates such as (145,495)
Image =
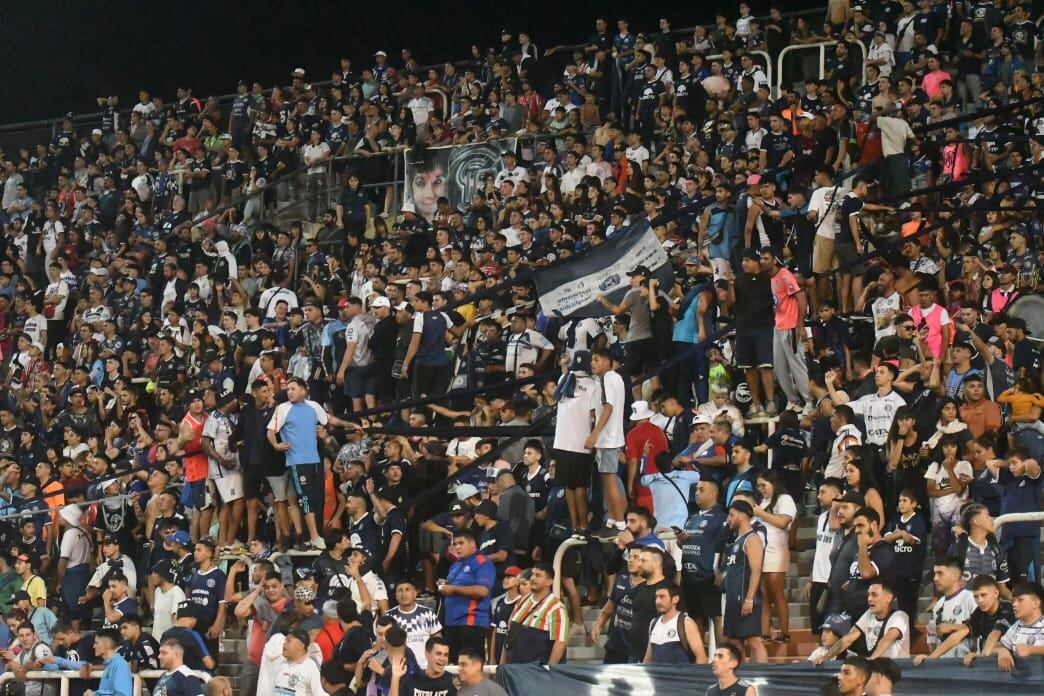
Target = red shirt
(785,289)
(643,434)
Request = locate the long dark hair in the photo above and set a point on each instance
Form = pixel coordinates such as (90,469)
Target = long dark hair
(901,413)
(778,487)
(866,474)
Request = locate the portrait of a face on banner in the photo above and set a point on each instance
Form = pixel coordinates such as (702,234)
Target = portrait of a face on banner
(457,173)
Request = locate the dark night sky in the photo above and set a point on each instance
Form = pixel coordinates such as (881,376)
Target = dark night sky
(61,56)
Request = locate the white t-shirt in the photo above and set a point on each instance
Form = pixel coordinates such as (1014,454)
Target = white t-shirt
(955,609)
(524,348)
(947,504)
(75,547)
(872,629)
(421,108)
(59,288)
(639,155)
(125,565)
(314,152)
(774,536)
(878,412)
(359,332)
(614,393)
(573,422)
(298,679)
(34,327)
(824,545)
(166,608)
(825,202)
(879,307)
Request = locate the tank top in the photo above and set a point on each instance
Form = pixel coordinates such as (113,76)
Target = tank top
(666,642)
(737,570)
(196,465)
(770,231)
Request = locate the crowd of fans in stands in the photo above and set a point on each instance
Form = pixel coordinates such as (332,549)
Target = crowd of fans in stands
(211,417)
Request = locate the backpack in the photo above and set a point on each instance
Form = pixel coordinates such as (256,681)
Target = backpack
(683,640)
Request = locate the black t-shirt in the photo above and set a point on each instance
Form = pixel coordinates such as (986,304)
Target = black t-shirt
(498,538)
(644,611)
(909,558)
(850,205)
(882,555)
(356,641)
(754,294)
(776,145)
(395,523)
(420,684)
(983,624)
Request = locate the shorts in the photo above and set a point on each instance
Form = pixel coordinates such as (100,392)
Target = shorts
(196,495)
(702,599)
(229,487)
(754,347)
(607,459)
(823,259)
(308,484)
(721,268)
(641,355)
(735,625)
(847,258)
(280,487)
(574,468)
(360,382)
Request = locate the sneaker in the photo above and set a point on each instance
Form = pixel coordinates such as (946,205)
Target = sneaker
(620,526)
(795,407)
(772,410)
(319,544)
(756,412)
(606,533)
(301,546)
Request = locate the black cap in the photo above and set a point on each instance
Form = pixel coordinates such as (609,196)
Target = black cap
(458,509)
(193,394)
(305,572)
(19,596)
(853,497)
(487,508)
(165,569)
(642,271)
(110,539)
(226,397)
(752,254)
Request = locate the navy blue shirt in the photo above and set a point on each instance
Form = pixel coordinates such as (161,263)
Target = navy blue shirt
(706,537)
(1019,495)
(207,589)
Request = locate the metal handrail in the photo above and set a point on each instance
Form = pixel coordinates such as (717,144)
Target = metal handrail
(821,45)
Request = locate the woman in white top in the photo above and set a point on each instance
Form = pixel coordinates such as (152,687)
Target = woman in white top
(777,511)
(948,481)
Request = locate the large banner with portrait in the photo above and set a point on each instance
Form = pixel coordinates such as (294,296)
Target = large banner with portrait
(456,172)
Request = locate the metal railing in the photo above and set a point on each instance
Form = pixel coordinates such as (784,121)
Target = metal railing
(821,46)
(66,676)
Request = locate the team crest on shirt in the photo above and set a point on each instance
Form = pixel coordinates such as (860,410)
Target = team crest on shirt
(303,479)
(956,611)
(672,633)
(1031,640)
(292,680)
(211,583)
(703,523)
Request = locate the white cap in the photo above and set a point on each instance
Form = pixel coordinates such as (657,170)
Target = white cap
(71,514)
(702,419)
(640,411)
(408,208)
(380,53)
(96,131)
(465,491)
(380,301)
(299,72)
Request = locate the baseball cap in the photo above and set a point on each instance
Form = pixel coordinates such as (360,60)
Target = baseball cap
(96,131)
(305,572)
(702,419)
(192,395)
(458,509)
(853,497)
(581,361)
(378,53)
(642,271)
(110,539)
(752,254)
(342,303)
(753,180)
(465,491)
(181,538)
(487,508)
(838,624)
(402,307)
(512,571)
(380,301)
(19,596)
(165,570)
(304,594)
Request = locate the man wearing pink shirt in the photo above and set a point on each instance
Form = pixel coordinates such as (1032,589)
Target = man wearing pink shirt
(933,76)
(788,348)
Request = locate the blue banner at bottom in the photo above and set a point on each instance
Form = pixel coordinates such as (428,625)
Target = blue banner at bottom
(933,678)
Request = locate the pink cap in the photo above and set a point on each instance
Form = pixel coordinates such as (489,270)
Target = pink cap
(753,180)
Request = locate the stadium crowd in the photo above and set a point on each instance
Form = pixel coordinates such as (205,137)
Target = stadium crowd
(213,418)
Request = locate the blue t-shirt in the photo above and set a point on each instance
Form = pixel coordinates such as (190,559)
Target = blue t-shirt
(1019,495)
(207,589)
(298,426)
(464,611)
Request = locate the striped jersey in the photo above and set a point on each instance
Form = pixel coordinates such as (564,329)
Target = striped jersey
(547,614)
(420,625)
(1024,634)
